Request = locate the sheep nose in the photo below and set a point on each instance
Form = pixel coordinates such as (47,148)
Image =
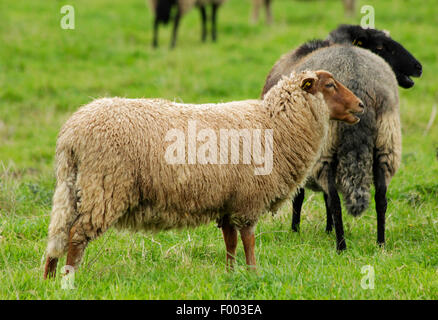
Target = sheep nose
(419,69)
(362,107)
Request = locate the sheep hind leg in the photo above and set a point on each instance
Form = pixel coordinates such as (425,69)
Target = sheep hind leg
(248,239)
(380,199)
(76,245)
(50,267)
(230,237)
(297,204)
(255,11)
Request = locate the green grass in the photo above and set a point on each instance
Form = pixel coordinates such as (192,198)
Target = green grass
(46,73)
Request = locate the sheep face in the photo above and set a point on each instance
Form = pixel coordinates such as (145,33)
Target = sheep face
(379,42)
(342,103)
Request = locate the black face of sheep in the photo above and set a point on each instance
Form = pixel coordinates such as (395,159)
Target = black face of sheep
(401,60)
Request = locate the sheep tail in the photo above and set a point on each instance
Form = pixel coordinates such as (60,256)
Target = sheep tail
(64,211)
(355,164)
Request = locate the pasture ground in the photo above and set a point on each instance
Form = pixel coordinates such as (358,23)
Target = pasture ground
(46,73)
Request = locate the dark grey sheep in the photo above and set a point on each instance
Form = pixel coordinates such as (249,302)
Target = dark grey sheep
(370,151)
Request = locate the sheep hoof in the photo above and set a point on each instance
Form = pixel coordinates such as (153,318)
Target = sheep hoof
(50,268)
(381,244)
(340,247)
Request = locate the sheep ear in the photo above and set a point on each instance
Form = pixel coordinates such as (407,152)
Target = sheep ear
(387,33)
(307,84)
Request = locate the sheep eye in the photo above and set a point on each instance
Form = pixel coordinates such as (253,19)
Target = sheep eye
(330,85)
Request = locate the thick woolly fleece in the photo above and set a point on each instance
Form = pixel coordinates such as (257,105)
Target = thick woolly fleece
(111,167)
(371,79)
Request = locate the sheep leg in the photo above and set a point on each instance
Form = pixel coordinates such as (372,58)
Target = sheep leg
(213,21)
(50,268)
(297,203)
(204,23)
(334,205)
(329,226)
(230,237)
(155,38)
(349,6)
(76,245)
(380,199)
(248,239)
(256,10)
(268,12)
(175,28)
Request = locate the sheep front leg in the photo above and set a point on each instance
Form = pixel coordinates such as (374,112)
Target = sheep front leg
(248,239)
(335,210)
(204,23)
(329,226)
(230,237)
(213,21)
(297,204)
(175,28)
(380,198)
(155,37)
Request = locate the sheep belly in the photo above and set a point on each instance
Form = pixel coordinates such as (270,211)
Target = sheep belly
(146,218)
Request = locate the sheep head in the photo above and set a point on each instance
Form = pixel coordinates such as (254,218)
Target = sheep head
(342,103)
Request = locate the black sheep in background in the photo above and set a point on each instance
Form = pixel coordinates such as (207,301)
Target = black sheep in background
(163,10)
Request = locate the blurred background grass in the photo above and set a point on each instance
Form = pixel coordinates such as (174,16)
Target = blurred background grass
(46,73)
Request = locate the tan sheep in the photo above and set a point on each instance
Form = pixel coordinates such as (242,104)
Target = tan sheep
(112,163)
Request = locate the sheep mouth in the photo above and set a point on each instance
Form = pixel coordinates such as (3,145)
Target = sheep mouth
(405,81)
(353,116)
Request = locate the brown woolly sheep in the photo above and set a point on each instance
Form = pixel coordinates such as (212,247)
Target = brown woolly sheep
(113,167)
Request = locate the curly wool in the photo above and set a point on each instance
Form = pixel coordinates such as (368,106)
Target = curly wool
(371,79)
(111,167)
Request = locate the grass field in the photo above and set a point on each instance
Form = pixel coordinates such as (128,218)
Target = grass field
(46,73)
